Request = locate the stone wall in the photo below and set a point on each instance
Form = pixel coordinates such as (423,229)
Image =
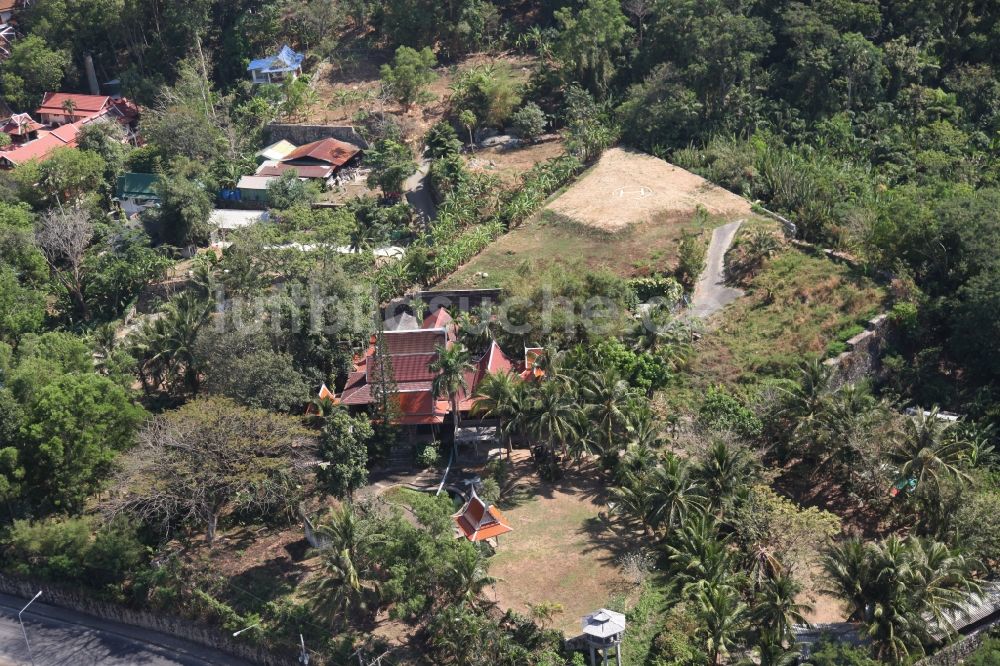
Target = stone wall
(955,653)
(74,599)
(302,134)
(863,355)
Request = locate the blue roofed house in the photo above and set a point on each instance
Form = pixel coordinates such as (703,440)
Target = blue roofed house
(276,68)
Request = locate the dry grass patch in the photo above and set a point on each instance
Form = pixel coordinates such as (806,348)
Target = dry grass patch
(511,164)
(628,187)
(561,550)
(798,305)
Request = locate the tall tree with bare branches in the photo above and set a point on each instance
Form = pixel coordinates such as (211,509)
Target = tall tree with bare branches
(63,236)
(210,456)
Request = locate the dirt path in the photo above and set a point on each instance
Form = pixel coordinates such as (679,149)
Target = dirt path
(711,293)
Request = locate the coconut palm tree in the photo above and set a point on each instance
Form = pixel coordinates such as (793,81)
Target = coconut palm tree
(450,367)
(901,589)
(607,398)
(469,576)
(344,582)
(723,616)
(165,346)
(776,609)
(696,553)
(928,452)
(556,417)
(805,403)
(672,494)
(497,396)
(69,106)
(725,470)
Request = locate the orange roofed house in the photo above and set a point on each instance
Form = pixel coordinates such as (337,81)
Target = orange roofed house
(60,117)
(412,352)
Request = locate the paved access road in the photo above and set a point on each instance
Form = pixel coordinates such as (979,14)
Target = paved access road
(67,638)
(711,293)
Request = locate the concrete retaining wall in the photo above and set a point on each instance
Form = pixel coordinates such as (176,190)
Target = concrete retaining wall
(302,134)
(863,355)
(73,599)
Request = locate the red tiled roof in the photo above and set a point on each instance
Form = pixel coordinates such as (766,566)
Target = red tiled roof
(438,319)
(302,171)
(477,521)
(421,341)
(40,150)
(83,104)
(408,367)
(331,151)
(20,124)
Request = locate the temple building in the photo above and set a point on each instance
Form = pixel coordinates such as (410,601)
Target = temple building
(412,349)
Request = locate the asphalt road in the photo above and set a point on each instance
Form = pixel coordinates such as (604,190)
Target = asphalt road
(67,638)
(417,193)
(711,293)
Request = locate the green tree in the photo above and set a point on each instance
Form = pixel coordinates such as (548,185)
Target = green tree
(723,616)
(185,204)
(74,428)
(288,191)
(164,348)
(410,72)
(776,610)
(529,122)
(468,120)
(450,369)
(22,308)
(498,396)
(345,582)
(391,164)
(590,39)
(211,456)
(32,69)
(442,141)
(343,446)
(900,589)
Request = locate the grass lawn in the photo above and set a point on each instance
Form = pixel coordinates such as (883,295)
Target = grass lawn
(561,549)
(549,242)
(798,305)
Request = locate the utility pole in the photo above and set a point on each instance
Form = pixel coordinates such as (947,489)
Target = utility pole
(303,656)
(23,631)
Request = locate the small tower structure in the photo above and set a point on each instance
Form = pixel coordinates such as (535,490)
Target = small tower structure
(603,632)
(479,521)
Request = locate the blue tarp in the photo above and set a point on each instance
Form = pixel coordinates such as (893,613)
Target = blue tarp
(286,60)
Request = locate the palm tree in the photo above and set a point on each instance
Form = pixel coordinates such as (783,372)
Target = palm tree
(848,571)
(723,616)
(450,367)
(497,396)
(725,471)
(901,589)
(927,451)
(673,494)
(165,346)
(776,609)
(343,583)
(696,553)
(556,417)
(69,106)
(607,399)
(469,577)
(773,653)
(805,402)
